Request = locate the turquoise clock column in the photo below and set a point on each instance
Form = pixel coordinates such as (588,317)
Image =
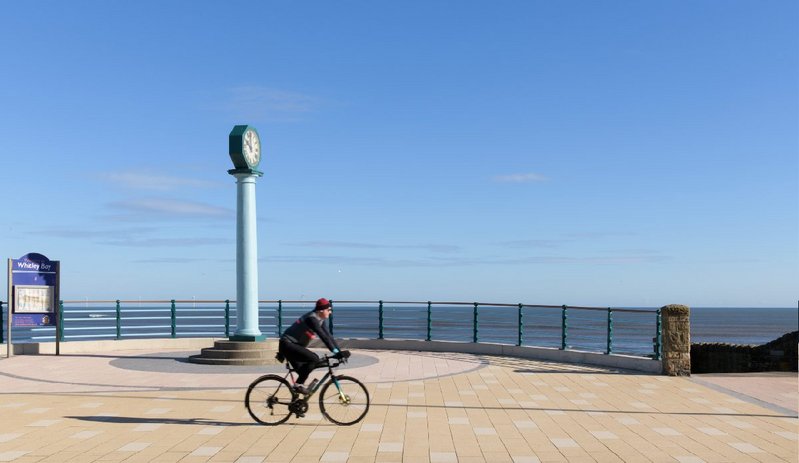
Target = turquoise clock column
(245,152)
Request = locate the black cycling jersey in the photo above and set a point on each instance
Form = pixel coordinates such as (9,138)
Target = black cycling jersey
(308,327)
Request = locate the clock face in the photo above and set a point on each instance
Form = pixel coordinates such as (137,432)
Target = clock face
(251,148)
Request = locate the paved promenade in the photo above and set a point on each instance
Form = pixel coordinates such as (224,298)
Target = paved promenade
(142,406)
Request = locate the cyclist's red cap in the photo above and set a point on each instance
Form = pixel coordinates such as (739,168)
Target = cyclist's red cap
(322,304)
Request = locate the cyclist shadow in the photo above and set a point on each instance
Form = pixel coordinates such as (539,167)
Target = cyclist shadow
(137,420)
(189,421)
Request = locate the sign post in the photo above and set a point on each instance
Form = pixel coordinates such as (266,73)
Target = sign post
(8,322)
(33,294)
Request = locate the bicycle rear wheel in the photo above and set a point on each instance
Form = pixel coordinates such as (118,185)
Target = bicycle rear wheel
(268,399)
(344,400)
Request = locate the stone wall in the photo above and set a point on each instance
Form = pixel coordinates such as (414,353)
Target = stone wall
(777,355)
(676,332)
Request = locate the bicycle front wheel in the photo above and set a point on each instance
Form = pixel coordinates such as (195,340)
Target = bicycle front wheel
(268,399)
(344,400)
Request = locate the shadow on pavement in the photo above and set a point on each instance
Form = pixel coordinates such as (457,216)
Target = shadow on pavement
(136,420)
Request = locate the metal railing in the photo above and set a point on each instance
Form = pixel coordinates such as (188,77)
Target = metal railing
(594,329)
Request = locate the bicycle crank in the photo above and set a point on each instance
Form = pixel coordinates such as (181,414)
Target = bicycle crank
(299,407)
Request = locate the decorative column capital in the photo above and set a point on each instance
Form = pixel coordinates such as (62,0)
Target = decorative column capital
(244,173)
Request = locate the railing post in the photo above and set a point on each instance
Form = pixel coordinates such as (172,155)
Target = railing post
(564,334)
(429,320)
(2,325)
(173,315)
(279,318)
(380,320)
(330,320)
(60,321)
(227,318)
(658,337)
(610,332)
(119,321)
(521,326)
(474,337)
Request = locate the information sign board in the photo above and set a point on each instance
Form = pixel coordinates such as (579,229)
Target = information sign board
(33,292)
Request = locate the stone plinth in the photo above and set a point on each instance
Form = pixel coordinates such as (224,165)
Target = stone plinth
(676,340)
(238,353)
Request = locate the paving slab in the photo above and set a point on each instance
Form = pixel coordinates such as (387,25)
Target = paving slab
(777,390)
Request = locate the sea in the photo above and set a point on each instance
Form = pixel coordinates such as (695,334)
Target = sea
(634,330)
(742,325)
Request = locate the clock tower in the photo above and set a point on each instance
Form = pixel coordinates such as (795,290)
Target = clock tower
(247,345)
(245,152)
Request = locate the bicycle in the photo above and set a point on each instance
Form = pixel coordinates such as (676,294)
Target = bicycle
(343,400)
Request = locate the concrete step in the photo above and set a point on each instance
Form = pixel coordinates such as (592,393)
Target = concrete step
(213,352)
(242,345)
(227,352)
(234,362)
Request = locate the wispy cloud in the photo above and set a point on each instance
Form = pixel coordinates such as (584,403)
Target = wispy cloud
(526,244)
(134,237)
(565,239)
(332,260)
(165,208)
(175,260)
(155,182)
(621,259)
(266,103)
(443,248)
(166,242)
(91,233)
(520,178)
(600,235)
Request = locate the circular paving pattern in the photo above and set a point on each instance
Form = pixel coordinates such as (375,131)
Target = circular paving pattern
(177,362)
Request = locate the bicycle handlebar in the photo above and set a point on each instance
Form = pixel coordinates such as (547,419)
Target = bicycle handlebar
(326,361)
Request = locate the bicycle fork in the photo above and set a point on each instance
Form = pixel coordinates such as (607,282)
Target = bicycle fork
(340,392)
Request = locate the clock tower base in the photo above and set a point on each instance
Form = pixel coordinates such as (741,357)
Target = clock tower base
(246,338)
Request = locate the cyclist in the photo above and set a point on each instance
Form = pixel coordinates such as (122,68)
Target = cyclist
(294,342)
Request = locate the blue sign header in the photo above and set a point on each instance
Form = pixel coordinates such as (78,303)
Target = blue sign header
(33,269)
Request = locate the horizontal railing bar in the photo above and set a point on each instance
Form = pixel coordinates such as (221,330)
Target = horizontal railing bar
(200,326)
(86,328)
(101,301)
(335,302)
(149,301)
(146,327)
(91,310)
(401,327)
(160,334)
(129,310)
(189,309)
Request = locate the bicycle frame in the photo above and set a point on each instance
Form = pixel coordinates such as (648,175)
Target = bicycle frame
(325,361)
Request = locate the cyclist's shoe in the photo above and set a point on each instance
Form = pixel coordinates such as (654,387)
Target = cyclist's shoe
(300,389)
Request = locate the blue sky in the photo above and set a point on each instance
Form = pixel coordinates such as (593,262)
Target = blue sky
(598,153)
